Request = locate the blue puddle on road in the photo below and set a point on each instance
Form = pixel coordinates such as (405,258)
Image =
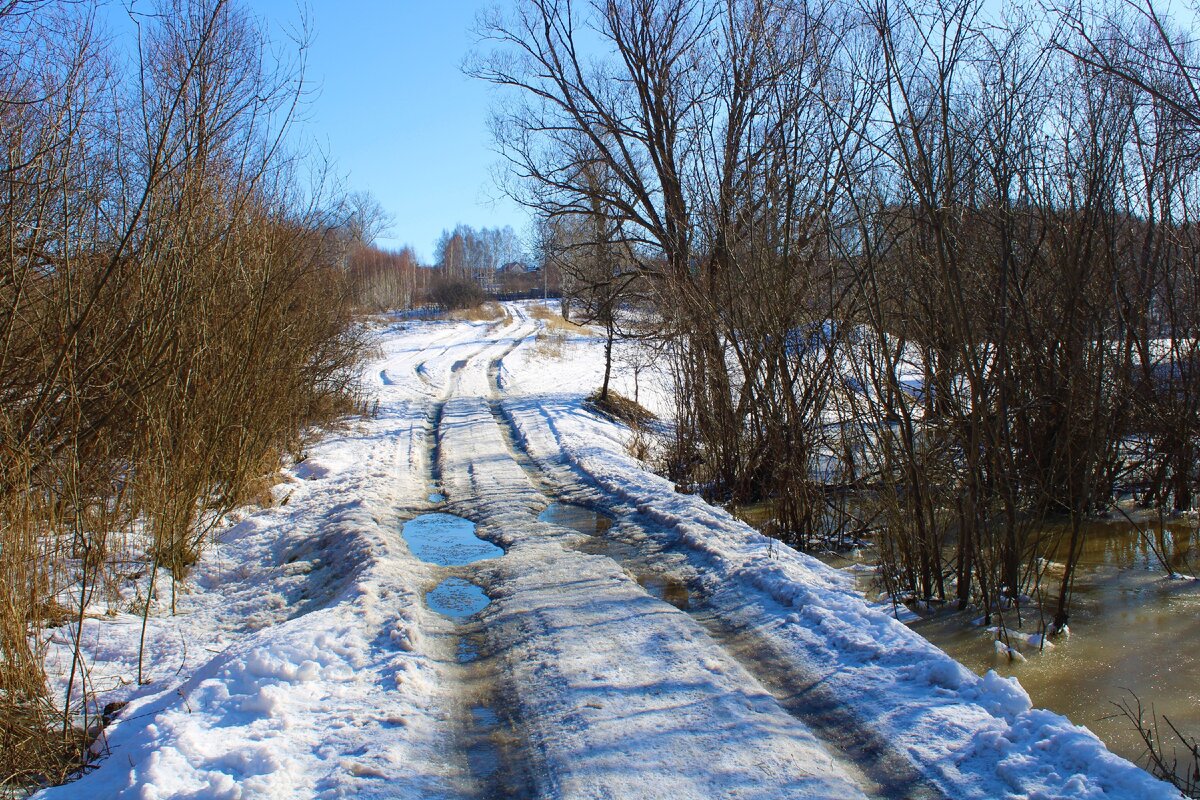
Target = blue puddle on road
(447,540)
(483,755)
(457,598)
(450,541)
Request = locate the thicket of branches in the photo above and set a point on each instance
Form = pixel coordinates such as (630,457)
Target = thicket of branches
(922,269)
(383,280)
(171,317)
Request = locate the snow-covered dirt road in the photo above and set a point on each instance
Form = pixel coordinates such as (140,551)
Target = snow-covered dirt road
(576,628)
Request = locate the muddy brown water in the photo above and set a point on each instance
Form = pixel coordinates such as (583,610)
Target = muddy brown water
(577,518)
(487,737)
(596,525)
(1133,630)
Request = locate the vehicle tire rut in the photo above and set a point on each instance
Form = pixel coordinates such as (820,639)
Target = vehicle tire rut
(883,771)
(487,742)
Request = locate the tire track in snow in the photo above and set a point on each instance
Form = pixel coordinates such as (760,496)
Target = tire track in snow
(487,740)
(882,771)
(455,336)
(879,771)
(620,695)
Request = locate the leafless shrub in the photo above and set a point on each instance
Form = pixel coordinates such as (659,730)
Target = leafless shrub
(1180,770)
(961,239)
(450,293)
(172,319)
(384,281)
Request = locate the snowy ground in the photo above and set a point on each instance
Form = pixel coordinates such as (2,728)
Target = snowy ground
(676,654)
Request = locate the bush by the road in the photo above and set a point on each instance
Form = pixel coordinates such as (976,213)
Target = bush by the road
(455,293)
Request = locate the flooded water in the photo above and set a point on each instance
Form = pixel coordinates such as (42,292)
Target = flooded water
(457,598)
(760,516)
(577,518)
(447,540)
(1132,630)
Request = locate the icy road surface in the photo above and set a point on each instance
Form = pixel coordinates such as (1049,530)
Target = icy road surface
(674,653)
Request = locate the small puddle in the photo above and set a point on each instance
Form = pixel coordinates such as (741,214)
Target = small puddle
(457,598)
(667,589)
(603,546)
(447,540)
(437,497)
(467,651)
(482,753)
(577,518)
(596,525)
(458,365)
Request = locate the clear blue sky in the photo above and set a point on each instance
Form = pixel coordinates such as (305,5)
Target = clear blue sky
(396,113)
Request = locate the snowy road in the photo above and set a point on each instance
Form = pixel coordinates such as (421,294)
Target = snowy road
(668,652)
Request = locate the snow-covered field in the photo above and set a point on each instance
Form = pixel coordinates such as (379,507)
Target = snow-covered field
(305,660)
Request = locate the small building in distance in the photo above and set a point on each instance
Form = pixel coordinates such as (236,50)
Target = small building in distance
(518,279)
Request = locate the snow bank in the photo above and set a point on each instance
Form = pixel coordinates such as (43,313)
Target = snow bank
(972,737)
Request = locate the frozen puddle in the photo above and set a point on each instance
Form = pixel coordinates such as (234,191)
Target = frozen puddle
(447,540)
(457,598)
(577,518)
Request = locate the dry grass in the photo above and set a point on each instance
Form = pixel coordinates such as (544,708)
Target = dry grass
(150,375)
(490,311)
(257,489)
(37,749)
(550,345)
(554,320)
(621,408)
(552,339)
(643,444)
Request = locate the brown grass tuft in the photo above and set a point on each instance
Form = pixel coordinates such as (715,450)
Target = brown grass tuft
(620,408)
(490,311)
(554,320)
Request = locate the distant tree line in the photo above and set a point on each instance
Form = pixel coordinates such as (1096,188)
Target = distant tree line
(471,265)
(924,267)
(384,280)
